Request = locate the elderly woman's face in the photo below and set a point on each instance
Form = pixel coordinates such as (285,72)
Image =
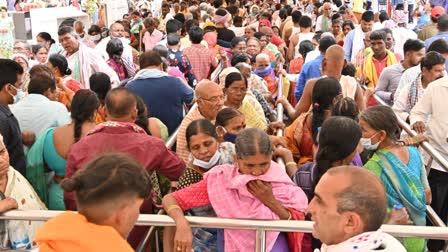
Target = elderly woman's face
(236,92)
(4,159)
(255,165)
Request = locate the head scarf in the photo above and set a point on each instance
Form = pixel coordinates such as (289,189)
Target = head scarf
(265,22)
(222,19)
(401,17)
(211,38)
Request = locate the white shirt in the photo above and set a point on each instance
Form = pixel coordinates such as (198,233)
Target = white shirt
(239,31)
(431,108)
(37,113)
(312,55)
(319,23)
(406,79)
(366,242)
(401,107)
(401,35)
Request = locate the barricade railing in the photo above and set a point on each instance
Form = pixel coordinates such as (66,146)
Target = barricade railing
(280,109)
(434,155)
(260,226)
(426,146)
(169,145)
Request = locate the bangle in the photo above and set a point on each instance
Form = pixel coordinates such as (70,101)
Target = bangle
(172,207)
(291,163)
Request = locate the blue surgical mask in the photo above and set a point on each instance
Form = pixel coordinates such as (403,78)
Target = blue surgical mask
(229,137)
(210,164)
(367,143)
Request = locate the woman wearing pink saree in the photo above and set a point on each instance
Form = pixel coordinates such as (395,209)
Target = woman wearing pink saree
(253,188)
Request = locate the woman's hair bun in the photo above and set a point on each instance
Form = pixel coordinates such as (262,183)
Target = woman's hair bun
(70,184)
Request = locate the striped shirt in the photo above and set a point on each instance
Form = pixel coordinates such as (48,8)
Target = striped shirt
(181,142)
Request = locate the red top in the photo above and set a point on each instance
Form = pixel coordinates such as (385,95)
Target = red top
(196,195)
(276,40)
(150,151)
(73,85)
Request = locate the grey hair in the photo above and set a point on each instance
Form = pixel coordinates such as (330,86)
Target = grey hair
(364,195)
(326,34)
(210,11)
(203,6)
(382,118)
(242,65)
(253,141)
(27,45)
(262,56)
(77,22)
(188,16)
(192,9)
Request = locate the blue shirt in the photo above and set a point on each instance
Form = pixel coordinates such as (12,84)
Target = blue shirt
(441,35)
(348,45)
(37,113)
(164,97)
(422,21)
(309,71)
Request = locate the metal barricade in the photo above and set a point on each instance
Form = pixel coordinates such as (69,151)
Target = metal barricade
(434,154)
(169,145)
(280,109)
(260,226)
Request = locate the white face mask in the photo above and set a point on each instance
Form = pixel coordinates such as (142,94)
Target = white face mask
(211,163)
(96,37)
(19,94)
(125,41)
(367,143)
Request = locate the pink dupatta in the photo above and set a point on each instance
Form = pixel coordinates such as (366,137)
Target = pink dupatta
(231,199)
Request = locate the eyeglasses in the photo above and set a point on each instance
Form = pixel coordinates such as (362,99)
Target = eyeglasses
(237,90)
(214,99)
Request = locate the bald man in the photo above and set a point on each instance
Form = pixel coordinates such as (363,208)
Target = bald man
(276,50)
(350,204)
(323,22)
(332,66)
(116,31)
(210,99)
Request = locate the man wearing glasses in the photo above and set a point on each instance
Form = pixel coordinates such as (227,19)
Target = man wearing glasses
(210,99)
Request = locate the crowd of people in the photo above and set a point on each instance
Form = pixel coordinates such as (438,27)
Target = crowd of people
(85,117)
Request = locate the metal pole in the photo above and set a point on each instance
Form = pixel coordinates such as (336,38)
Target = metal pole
(280,109)
(260,240)
(438,233)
